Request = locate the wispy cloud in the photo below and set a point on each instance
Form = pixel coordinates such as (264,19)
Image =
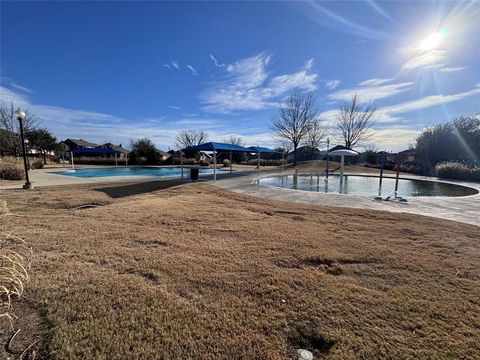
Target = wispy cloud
(175,65)
(216,63)
(192,69)
(174,107)
(375,82)
(322,15)
(394,139)
(434,58)
(248,85)
(427,101)
(166,65)
(332,84)
(21,88)
(64,123)
(392,113)
(452,69)
(372,89)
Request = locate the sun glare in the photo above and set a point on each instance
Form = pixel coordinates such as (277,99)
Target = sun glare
(432,41)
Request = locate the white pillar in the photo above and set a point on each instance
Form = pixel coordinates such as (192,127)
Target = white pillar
(71,157)
(181,162)
(342,164)
(214,166)
(258,164)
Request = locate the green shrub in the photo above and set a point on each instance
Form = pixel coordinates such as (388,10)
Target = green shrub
(457,171)
(226,163)
(11,168)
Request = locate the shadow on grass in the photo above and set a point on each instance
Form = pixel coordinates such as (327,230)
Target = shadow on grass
(120,191)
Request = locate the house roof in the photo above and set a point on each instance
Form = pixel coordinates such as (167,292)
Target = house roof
(81,143)
(164,153)
(116,147)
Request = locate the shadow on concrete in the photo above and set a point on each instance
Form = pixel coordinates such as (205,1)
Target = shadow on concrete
(120,191)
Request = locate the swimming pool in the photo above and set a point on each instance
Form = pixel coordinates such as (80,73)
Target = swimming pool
(369,186)
(170,171)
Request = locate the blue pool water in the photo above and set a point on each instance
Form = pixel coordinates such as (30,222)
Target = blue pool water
(369,186)
(131,171)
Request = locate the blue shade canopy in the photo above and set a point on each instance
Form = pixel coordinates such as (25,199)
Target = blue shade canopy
(212,146)
(94,151)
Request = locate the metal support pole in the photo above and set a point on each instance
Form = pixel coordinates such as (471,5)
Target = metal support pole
(258,164)
(398,174)
(328,148)
(382,164)
(71,158)
(27,184)
(116,160)
(126,159)
(214,166)
(342,164)
(230,162)
(63,158)
(181,162)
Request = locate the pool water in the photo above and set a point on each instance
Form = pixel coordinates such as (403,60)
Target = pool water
(132,171)
(369,186)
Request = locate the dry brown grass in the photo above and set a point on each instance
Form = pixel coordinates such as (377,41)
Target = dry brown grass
(194,272)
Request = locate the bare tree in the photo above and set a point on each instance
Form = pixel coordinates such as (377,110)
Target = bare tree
(354,121)
(10,141)
(187,138)
(315,134)
(294,119)
(234,140)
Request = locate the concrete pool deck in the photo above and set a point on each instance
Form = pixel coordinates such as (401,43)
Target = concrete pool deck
(463,209)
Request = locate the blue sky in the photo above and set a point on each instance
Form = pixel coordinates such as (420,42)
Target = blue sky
(115,71)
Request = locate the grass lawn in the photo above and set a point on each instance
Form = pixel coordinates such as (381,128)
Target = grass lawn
(169,271)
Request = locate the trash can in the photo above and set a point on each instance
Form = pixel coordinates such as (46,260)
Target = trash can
(194,174)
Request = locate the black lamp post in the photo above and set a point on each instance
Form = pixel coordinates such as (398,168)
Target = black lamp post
(21,116)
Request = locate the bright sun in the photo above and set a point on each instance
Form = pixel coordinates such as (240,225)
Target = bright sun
(432,41)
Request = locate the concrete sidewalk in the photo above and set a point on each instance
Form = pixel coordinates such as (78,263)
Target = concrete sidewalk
(463,209)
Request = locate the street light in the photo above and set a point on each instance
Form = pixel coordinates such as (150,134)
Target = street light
(20,114)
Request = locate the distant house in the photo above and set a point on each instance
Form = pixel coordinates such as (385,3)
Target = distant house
(72,144)
(123,152)
(165,155)
(407,155)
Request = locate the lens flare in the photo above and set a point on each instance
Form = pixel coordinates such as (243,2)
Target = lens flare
(432,41)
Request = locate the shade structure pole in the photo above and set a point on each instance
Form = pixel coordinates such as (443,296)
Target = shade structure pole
(63,157)
(342,164)
(382,163)
(181,162)
(398,174)
(126,159)
(258,164)
(214,166)
(328,143)
(116,160)
(283,158)
(230,162)
(71,157)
